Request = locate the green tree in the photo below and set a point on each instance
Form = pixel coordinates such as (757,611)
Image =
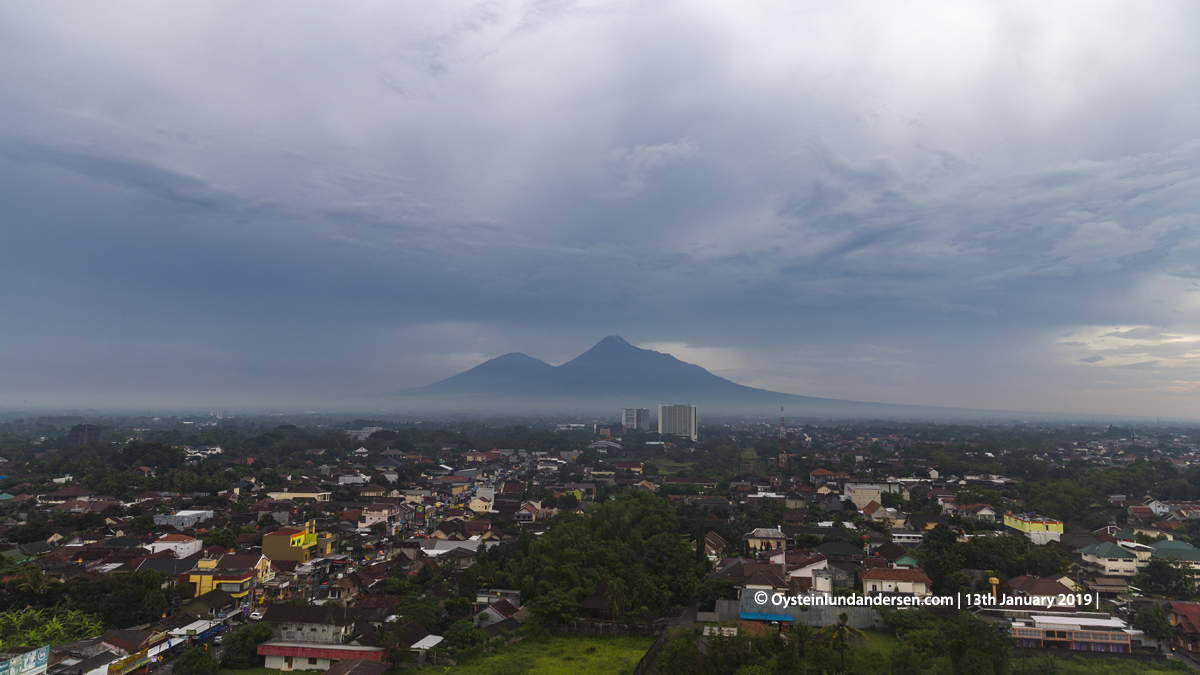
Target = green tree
(458,607)
(35,582)
(1170,574)
(143,525)
(1153,621)
(904,660)
(221,536)
(681,656)
(241,647)
(842,636)
(801,636)
(976,646)
(463,634)
(196,661)
(712,590)
(420,608)
(554,608)
(975,662)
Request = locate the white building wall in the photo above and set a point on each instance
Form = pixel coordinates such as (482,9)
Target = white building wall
(680,419)
(298,663)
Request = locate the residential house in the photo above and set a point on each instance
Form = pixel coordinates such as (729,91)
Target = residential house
(68,494)
(209,605)
(179,544)
(1185,617)
(1038,591)
(896,580)
(763,538)
(302,655)
(494,613)
(319,624)
(302,493)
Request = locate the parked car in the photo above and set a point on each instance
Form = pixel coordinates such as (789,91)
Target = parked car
(256,616)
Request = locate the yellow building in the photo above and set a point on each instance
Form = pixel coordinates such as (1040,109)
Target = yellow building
(292,543)
(480,505)
(1037,528)
(237,575)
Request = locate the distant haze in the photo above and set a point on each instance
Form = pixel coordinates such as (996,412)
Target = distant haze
(272,205)
(614,374)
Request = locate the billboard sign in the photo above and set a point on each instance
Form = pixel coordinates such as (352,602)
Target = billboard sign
(132,662)
(29,663)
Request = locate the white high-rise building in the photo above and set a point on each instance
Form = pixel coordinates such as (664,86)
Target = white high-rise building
(635,418)
(679,419)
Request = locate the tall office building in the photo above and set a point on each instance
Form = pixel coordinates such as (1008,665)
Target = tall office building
(679,419)
(636,418)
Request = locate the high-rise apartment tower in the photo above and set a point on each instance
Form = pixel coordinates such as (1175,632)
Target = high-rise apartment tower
(636,418)
(679,419)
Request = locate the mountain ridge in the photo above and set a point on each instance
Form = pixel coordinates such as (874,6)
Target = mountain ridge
(614,373)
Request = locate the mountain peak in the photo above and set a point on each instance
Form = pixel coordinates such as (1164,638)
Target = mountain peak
(498,372)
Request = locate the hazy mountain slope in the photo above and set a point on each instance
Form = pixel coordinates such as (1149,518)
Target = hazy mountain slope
(615,374)
(492,376)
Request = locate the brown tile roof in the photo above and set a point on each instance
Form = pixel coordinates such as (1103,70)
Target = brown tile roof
(1037,586)
(896,574)
(319,614)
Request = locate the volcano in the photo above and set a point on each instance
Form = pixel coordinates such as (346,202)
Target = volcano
(615,374)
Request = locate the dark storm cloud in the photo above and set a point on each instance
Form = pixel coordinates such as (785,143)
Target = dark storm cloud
(992,205)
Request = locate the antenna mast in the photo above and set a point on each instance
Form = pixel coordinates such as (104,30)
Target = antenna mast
(782,440)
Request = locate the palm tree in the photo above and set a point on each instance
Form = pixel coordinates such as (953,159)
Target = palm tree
(35,581)
(802,633)
(842,635)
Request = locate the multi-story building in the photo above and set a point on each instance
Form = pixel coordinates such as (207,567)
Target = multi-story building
(183,520)
(1040,530)
(1108,559)
(328,624)
(636,418)
(302,545)
(237,575)
(679,419)
(1077,633)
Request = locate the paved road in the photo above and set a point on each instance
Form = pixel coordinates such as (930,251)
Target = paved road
(683,621)
(1182,657)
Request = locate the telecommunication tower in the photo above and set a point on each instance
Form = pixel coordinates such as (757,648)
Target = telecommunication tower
(782,440)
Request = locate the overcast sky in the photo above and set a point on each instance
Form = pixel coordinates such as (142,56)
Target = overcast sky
(296,205)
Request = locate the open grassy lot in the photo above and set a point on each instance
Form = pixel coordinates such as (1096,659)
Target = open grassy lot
(554,654)
(880,642)
(1112,666)
(672,468)
(251,671)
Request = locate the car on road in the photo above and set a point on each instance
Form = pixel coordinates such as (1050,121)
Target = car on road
(218,638)
(256,616)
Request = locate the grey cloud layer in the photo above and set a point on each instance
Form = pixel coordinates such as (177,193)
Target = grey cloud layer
(281,203)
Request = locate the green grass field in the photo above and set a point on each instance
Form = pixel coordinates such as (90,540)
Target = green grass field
(672,468)
(250,671)
(554,654)
(1113,666)
(880,642)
